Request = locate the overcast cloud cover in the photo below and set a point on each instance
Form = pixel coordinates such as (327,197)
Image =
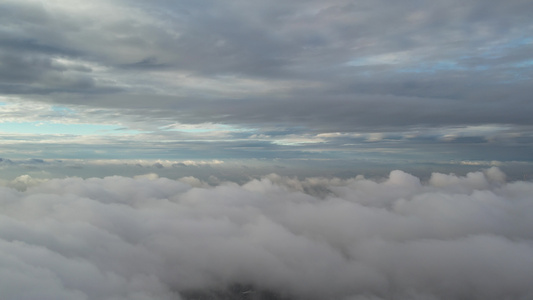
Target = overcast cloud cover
(410,81)
(202,149)
(273,238)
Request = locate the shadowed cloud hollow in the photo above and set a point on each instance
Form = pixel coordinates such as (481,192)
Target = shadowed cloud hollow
(154,238)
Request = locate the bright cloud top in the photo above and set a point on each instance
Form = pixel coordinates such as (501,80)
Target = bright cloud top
(154,238)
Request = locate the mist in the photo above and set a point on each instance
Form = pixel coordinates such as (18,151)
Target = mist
(274,237)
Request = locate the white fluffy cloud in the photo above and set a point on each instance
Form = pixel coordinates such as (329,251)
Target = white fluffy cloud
(155,238)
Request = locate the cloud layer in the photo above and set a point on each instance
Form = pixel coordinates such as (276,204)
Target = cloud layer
(147,237)
(265,79)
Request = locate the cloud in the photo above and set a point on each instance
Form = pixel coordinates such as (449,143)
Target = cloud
(302,68)
(150,237)
(272,62)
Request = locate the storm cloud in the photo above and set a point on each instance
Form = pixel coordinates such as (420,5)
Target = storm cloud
(450,237)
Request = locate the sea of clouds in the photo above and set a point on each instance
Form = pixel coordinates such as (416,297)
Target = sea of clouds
(450,237)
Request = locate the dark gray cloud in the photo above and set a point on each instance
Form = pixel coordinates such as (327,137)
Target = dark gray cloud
(305,67)
(449,237)
(299,40)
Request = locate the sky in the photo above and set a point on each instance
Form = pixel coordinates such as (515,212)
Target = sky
(266,150)
(362,85)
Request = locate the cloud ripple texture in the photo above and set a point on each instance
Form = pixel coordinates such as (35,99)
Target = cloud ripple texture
(450,237)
